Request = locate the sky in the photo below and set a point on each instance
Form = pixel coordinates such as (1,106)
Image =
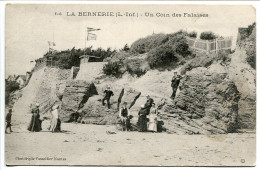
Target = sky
(30,27)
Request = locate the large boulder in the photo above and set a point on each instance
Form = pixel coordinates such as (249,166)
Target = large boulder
(207,103)
(76,94)
(94,112)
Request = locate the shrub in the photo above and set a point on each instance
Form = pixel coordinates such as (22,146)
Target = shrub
(68,58)
(192,34)
(168,54)
(119,56)
(146,44)
(138,71)
(223,56)
(180,45)
(10,86)
(113,69)
(161,56)
(208,36)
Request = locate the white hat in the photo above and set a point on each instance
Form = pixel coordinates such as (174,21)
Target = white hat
(142,106)
(37,104)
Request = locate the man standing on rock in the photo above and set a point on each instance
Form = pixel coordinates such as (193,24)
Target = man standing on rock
(175,83)
(108,94)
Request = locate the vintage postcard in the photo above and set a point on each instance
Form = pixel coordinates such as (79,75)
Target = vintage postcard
(130,85)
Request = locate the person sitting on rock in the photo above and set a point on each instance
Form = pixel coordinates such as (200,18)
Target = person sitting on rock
(175,83)
(8,121)
(108,94)
(123,115)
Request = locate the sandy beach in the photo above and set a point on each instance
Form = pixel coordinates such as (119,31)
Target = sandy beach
(81,144)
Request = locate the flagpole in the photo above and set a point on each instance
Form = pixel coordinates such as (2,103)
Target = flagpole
(85,42)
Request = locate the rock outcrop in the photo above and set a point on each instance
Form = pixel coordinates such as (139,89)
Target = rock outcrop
(94,112)
(207,103)
(75,95)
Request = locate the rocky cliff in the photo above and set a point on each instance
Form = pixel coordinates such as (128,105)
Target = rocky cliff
(207,103)
(75,95)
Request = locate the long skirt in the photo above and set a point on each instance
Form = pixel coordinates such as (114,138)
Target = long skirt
(152,126)
(35,123)
(142,123)
(55,125)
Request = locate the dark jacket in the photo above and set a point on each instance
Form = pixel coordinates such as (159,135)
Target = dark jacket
(176,81)
(108,94)
(8,117)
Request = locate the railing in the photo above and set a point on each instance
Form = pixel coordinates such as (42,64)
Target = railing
(210,45)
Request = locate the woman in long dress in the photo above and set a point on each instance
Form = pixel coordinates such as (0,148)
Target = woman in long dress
(152,126)
(142,120)
(35,123)
(55,121)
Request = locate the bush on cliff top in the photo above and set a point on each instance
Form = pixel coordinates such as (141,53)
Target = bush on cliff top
(68,58)
(113,69)
(168,54)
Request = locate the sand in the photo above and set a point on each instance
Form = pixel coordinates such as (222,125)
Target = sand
(81,144)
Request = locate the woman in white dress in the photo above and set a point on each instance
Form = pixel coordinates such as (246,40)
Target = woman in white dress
(54,127)
(152,126)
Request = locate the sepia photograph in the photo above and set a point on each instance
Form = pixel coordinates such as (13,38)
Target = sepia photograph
(130,85)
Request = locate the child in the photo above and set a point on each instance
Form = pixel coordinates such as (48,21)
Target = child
(8,120)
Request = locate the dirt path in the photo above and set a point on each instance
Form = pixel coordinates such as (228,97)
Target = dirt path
(92,145)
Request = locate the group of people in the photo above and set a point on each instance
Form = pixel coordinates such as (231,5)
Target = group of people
(36,122)
(147,117)
(147,120)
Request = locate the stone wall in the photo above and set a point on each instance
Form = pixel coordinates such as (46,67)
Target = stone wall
(90,70)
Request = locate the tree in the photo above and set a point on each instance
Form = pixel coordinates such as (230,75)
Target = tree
(126,48)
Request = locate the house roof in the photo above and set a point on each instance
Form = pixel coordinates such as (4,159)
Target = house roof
(22,77)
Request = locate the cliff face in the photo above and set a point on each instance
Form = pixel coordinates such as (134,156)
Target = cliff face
(43,88)
(75,95)
(207,103)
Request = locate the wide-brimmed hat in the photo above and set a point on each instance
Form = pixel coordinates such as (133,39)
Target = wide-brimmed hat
(37,104)
(142,106)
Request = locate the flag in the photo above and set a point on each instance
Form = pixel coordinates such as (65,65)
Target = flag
(92,29)
(91,36)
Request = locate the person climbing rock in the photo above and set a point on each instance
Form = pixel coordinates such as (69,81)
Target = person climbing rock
(108,94)
(8,119)
(175,83)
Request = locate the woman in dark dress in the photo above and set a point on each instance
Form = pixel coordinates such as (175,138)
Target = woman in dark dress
(35,124)
(142,120)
